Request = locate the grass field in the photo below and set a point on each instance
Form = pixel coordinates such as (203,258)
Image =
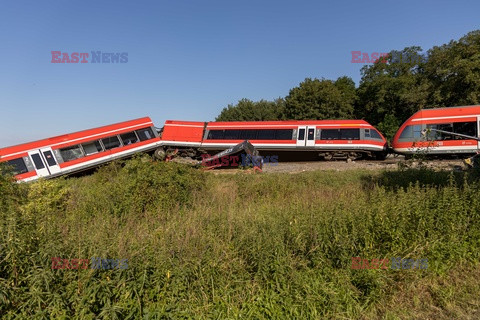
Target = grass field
(264,246)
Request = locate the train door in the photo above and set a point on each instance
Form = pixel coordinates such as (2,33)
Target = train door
(52,164)
(39,164)
(301,136)
(44,161)
(306,136)
(310,136)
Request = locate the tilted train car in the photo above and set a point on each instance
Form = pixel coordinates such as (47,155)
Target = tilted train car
(328,138)
(460,120)
(81,150)
(87,149)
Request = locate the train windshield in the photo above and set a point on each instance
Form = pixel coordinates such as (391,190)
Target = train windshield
(411,132)
(374,134)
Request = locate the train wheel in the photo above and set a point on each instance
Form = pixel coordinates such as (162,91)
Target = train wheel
(160,154)
(328,156)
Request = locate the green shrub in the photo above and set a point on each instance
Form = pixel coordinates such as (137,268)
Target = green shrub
(231,246)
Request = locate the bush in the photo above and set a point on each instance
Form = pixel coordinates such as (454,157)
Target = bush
(232,246)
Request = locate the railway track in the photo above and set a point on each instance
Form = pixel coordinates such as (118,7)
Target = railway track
(391,163)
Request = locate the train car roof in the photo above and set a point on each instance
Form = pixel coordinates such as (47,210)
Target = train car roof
(181,122)
(288,122)
(447,111)
(79,135)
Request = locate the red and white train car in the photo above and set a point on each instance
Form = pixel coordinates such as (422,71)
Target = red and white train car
(460,120)
(87,149)
(80,150)
(329,138)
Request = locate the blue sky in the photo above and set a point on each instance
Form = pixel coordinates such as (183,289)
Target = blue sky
(189,59)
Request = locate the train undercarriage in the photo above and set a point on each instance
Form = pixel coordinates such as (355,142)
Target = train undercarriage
(167,152)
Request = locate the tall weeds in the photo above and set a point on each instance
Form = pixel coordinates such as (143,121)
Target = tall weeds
(228,246)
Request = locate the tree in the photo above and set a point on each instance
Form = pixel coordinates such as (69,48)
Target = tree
(453,71)
(248,110)
(391,91)
(321,99)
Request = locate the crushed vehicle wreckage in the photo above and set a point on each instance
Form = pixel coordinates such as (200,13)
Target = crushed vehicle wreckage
(243,154)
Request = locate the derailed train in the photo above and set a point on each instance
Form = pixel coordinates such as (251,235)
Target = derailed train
(419,133)
(325,139)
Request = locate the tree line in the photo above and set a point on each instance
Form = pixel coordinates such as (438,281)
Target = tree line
(389,92)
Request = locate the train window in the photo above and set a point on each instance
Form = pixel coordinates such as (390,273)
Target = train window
(411,132)
(18,166)
(38,161)
(466,128)
(432,135)
(350,134)
(311,134)
(301,134)
(92,147)
(283,134)
(375,135)
(367,133)
(129,138)
(340,134)
(417,131)
(330,134)
(445,127)
(266,135)
(407,133)
(111,142)
(70,153)
(216,134)
(251,134)
(248,134)
(232,134)
(50,159)
(145,134)
(438,135)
